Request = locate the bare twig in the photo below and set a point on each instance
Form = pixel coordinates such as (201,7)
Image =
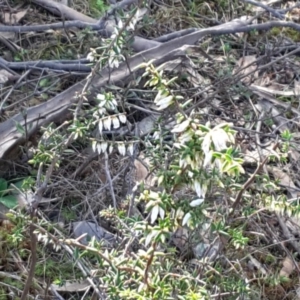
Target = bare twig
(108,177)
(78,262)
(54,26)
(57,295)
(33,240)
(271,10)
(250,181)
(287,234)
(69,66)
(12,89)
(174,35)
(148,266)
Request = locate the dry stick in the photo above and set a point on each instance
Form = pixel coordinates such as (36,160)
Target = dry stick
(110,181)
(287,234)
(174,35)
(250,181)
(266,65)
(289,8)
(273,100)
(106,185)
(54,26)
(69,250)
(76,244)
(57,295)
(38,197)
(13,88)
(148,266)
(267,8)
(253,89)
(97,66)
(13,288)
(282,243)
(80,65)
(80,102)
(133,190)
(84,165)
(257,136)
(33,261)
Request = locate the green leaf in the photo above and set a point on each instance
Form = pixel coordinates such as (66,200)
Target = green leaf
(69,151)
(3,187)
(20,128)
(44,82)
(18,184)
(44,96)
(9,201)
(22,184)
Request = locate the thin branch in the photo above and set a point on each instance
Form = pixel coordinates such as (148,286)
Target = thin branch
(271,10)
(108,177)
(54,26)
(29,280)
(287,234)
(250,181)
(69,65)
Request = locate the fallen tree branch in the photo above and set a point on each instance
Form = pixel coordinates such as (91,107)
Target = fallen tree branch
(74,66)
(54,26)
(174,35)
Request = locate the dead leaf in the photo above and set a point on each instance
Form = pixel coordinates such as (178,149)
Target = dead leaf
(276,89)
(275,292)
(13,19)
(294,155)
(247,68)
(288,267)
(293,224)
(297,87)
(4,77)
(280,120)
(141,171)
(257,265)
(180,238)
(142,166)
(285,180)
(254,157)
(71,286)
(87,230)
(146,125)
